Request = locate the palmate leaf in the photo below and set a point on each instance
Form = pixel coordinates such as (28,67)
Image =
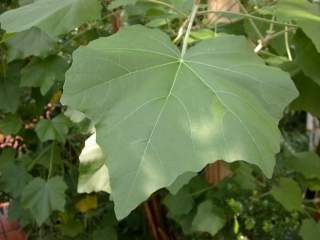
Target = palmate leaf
(14,178)
(159,115)
(54,17)
(42,197)
(305,14)
(53,129)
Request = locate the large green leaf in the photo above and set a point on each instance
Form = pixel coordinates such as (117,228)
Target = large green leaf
(288,193)
(304,13)
(52,16)
(32,42)
(93,172)
(310,230)
(43,73)
(42,197)
(158,114)
(208,218)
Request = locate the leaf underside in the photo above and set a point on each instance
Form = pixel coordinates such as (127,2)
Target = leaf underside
(158,115)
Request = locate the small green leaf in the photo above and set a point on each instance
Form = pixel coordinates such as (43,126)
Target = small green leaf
(208,218)
(55,129)
(306,163)
(43,73)
(10,124)
(310,230)
(32,42)
(288,193)
(54,17)
(179,204)
(93,172)
(43,197)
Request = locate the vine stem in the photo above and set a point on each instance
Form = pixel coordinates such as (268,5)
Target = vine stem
(191,20)
(168,5)
(247,15)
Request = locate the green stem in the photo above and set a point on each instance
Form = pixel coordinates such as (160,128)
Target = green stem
(51,161)
(172,7)
(191,19)
(286,39)
(246,15)
(253,24)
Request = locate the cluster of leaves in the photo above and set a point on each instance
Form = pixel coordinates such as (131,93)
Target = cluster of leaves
(160,115)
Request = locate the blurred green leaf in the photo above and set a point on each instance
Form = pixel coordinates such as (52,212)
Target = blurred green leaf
(14,178)
(54,17)
(179,204)
(10,124)
(32,42)
(288,193)
(309,95)
(208,218)
(44,73)
(306,163)
(310,230)
(307,57)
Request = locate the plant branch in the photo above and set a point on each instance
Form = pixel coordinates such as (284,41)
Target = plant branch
(253,24)
(191,19)
(172,7)
(264,42)
(247,15)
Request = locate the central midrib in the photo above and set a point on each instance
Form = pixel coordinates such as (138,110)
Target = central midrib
(154,129)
